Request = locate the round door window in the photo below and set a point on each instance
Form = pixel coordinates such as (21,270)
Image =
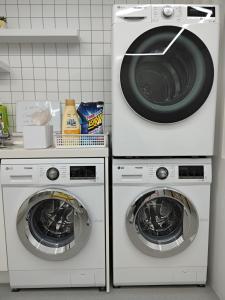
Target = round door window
(53,224)
(162,223)
(167,74)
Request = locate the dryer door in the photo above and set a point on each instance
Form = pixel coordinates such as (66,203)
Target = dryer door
(53,224)
(167,74)
(162,222)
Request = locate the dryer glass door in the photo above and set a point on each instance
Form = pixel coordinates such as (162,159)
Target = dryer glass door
(162,222)
(53,224)
(167,74)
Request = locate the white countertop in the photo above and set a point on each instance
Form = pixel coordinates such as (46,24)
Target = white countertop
(17,151)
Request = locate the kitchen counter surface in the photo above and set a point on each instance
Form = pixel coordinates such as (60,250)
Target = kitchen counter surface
(17,151)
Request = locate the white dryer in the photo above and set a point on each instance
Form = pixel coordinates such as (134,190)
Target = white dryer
(160,221)
(54,219)
(164,79)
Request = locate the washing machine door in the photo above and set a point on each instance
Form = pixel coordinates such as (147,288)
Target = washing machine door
(162,222)
(167,74)
(53,224)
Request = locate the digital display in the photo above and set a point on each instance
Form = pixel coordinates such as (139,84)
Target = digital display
(191,172)
(195,12)
(82,172)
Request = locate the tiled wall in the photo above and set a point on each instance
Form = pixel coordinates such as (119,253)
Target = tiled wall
(58,71)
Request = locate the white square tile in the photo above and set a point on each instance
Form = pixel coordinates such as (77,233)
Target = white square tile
(36,11)
(27,73)
(74,49)
(97,23)
(86,74)
(62,61)
(62,49)
(73,23)
(107,74)
(26,49)
(61,23)
(75,85)
(15,61)
(98,86)
(29,96)
(12,22)
(97,49)
(85,24)
(63,86)
(107,36)
(84,11)
(27,61)
(50,49)
(98,96)
(97,37)
(38,49)
(14,49)
(107,11)
(39,73)
(11,11)
(74,61)
(107,61)
(24,23)
(86,61)
(50,61)
(72,11)
(107,23)
(24,11)
(107,49)
(63,74)
(86,85)
(39,61)
(40,85)
(97,61)
(51,73)
(48,11)
(107,85)
(16,85)
(49,23)
(28,85)
(52,86)
(37,23)
(16,73)
(17,96)
(85,49)
(60,11)
(3,9)
(96,11)
(85,36)
(4,49)
(74,74)
(98,74)
(40,96)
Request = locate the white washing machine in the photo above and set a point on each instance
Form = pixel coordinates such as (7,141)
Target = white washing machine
(160,221)
(54,219)
(164,79)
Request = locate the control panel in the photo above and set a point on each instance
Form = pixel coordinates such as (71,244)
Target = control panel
(161,173)
(48,174)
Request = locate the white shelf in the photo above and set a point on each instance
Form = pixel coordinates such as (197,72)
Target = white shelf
(38,36)
(4,67)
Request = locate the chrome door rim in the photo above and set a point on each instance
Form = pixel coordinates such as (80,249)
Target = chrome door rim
(190,224)
(82,226)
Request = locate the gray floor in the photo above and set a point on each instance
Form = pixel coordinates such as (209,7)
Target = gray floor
(151,293)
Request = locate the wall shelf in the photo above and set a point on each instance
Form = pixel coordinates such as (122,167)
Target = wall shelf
(4,68)
(38,36)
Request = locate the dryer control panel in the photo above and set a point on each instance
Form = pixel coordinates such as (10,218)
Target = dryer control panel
(162,171)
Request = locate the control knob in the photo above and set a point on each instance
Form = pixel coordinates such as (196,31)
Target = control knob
(52,173)
(168,11)
(162,173)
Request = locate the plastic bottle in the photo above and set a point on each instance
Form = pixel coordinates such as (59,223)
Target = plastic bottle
(70,123)
(4,122)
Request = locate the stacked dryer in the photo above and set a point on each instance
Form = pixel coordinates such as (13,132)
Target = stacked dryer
(164,87)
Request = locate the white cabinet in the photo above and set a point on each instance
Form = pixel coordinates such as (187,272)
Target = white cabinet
(3,255)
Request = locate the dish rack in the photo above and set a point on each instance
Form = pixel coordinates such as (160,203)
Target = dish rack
(67,141)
